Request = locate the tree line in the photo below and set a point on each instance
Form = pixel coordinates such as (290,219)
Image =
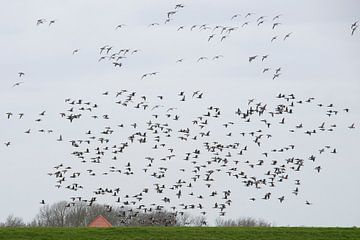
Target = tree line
(62,214)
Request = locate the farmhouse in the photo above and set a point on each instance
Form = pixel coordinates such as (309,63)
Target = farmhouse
(100,222)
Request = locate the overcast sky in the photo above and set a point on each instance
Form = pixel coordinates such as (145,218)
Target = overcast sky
(319,59)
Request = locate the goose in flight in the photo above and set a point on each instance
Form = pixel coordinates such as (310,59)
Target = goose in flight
(153,24)
(179,6)
(245,24)
(52,22)
(249,14)
(117,64)
(235,16)
(40,21)
(354,24)
(17,84)
(264,57)
(287,36)
(217,57)
(276,75)
(120,26)
(9,114)
(274,38)
(149,74)
(60,138)
(265,70)
(101,58)
(353,29)
(277,17)
(169,14)
(260,19)
(275,25)
(103,48)
(210,37)
(201,59)
(252,58)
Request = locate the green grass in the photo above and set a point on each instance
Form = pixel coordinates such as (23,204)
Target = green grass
(216,233)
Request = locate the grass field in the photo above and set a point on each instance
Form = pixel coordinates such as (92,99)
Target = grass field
(218,233)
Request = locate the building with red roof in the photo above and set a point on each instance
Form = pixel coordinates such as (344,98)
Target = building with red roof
(100,222)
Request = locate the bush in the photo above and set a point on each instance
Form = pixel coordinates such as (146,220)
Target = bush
(242,222)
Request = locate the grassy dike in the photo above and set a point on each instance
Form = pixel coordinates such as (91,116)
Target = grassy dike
(274,233)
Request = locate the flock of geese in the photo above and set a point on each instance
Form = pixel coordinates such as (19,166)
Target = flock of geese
(116,57)
(185,157)
(188,160)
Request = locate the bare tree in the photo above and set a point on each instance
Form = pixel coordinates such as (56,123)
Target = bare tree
(64,214)
(33,223)
(186,219)
(199,221)
(77,215)
(80,214)
(54,215)
(12,221)
(153,218)
(242,222)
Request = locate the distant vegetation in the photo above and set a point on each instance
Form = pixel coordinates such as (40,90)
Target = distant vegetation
(65,214)
(242,222)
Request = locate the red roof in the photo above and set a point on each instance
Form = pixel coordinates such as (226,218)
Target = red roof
(100,221)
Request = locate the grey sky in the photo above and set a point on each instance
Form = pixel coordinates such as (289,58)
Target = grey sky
(319,59)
